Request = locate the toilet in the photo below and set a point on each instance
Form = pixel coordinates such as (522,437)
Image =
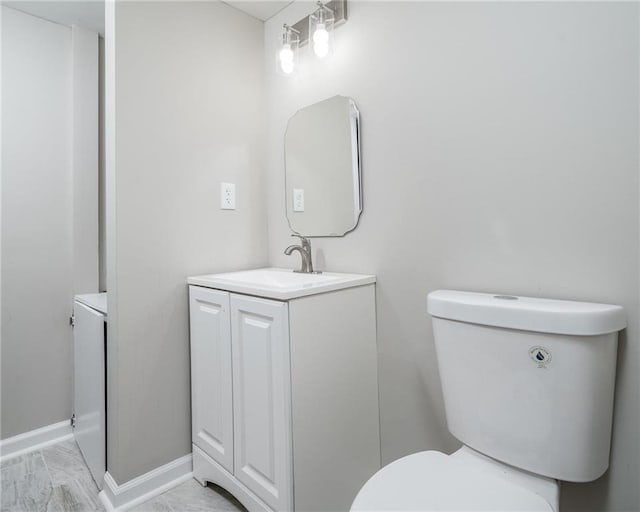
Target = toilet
(528,388)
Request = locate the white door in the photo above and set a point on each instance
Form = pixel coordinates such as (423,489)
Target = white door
(89,388)
(262,399)
(211,391)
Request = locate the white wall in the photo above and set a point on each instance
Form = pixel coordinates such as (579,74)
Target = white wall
(36,223)
(186,79)
(500,153)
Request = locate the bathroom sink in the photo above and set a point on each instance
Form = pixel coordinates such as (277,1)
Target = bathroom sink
(279,283)
(277,278)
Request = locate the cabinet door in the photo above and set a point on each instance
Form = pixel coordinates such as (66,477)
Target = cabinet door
(89,388)
(262,399)
(211,386)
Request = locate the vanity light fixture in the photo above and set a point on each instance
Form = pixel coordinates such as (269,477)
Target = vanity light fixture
(321,30)
(315,29)
(288,51)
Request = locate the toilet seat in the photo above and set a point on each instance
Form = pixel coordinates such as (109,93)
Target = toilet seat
(432,481)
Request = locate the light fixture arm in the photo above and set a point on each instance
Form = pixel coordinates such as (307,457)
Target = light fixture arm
(286,33)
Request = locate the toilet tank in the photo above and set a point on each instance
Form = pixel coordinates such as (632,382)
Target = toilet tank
(529,381)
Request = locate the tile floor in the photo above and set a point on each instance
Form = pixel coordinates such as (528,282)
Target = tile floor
(56,479)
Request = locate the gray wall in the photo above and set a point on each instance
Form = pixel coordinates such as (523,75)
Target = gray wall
(85,158)
(188,115)
(36,223)
(500,153)
(102,185)
(49,210)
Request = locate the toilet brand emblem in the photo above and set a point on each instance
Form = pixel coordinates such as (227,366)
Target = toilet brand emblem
(540,355)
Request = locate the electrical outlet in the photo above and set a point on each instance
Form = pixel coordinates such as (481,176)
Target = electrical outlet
(298,199)
(227,196)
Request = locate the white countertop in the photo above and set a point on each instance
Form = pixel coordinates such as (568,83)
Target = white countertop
(280,283)
(97,301)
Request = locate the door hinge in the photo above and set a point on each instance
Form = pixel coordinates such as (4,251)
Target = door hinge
(73,421)
(72,320)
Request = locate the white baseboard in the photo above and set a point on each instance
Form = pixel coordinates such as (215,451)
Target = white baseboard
(35,439)
(116,497)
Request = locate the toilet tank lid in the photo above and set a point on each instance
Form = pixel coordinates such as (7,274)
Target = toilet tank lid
(527,313)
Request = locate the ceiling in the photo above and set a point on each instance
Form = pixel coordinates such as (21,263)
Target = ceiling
(263,10)
(90,13)
(87,14)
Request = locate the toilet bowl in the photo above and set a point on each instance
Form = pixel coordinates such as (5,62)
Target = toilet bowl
(528,389)
(463,481)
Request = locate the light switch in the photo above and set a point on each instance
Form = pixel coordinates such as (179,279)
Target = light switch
(298,199)
(227,196)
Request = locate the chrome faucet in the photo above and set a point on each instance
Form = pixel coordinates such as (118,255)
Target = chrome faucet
(305,252)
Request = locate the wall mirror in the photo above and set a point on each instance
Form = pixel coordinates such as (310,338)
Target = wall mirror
(322,168)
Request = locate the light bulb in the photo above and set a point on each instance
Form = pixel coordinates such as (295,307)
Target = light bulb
(321,49)
(286,59)
(286,66)
(321,36)
(286,54)
(321,40)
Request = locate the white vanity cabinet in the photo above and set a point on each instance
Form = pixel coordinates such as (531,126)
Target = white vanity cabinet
(285,395)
